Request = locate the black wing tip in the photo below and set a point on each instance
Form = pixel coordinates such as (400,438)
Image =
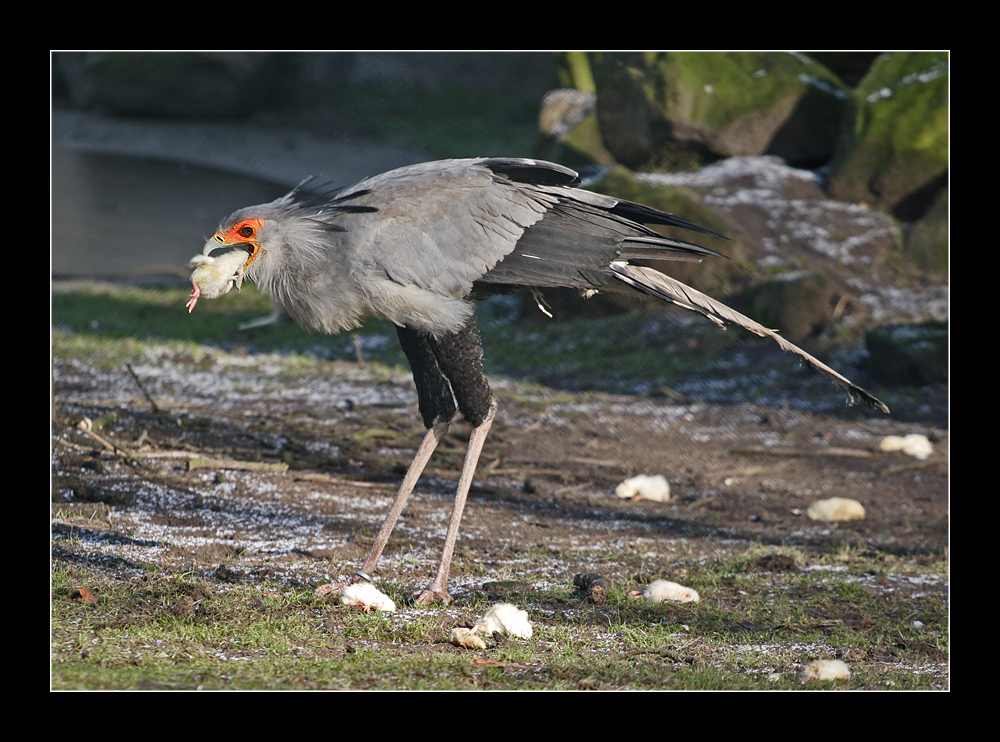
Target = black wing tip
(535,172)
(856,392)
(648,215)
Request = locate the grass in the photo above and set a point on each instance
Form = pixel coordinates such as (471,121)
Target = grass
(112,325)
(165,630)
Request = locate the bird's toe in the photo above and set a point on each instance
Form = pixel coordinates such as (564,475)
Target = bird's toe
(433,597)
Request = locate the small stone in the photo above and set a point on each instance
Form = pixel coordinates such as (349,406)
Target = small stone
(84,595)
(505,619)
(836,509)
(825,670)
(366,596)
(661,590)
(644,487)
(915,445)
(593,586)
(468,638)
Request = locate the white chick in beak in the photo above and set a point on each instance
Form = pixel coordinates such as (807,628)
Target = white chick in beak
(215,276)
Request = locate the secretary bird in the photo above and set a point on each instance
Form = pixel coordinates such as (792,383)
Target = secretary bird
(418,244)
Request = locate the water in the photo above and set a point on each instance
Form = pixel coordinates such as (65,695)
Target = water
(116,216)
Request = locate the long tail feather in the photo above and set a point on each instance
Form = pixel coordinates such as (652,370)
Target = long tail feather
(664,287)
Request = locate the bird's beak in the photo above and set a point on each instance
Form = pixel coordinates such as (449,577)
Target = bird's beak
(252,247)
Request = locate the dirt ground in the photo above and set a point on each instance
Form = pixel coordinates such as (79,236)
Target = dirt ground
(205,577)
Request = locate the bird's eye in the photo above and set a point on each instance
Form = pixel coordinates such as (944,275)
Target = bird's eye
(246,232)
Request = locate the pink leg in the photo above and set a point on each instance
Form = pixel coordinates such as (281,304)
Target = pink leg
(420,459)
(438,590)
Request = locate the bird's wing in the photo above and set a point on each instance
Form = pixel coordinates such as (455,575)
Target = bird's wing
(444,226)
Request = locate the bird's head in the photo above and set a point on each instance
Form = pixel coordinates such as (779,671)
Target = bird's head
(276,241)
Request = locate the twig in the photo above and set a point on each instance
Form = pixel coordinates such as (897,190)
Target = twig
(859,453)
(138,383)
(326,479)
(907,467)
(357,350)
(203,463)
(85,428)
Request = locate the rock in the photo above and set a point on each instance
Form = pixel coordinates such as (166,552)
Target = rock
(800,304)
(918,625)
(84,595)
(909,354)
(188,84)
(664,590)
(915,445)
(568,130)
(593,586)
(927,241)
(893,148)
(851,67)
(825,670)
(505,619)
(836,509)
(468,638)
(366,596)
(678,107)
(644,487)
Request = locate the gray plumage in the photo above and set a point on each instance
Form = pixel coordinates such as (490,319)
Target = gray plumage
(412,244)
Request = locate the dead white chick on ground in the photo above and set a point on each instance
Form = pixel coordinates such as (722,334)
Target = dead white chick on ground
(915,445)
(644,487)
(215,275)
(836,509)
(366,596)
(659,591)
(468,638)
(825,670)
(505,618)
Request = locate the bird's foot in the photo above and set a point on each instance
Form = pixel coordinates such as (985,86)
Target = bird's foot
(431,596)
(193,299)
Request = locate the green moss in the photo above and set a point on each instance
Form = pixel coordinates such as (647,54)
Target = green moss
(895,140)
(574,71)
(654,104)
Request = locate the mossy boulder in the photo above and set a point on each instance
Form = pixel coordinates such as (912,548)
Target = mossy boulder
(927,242)
(568,130)
(799,304)
(909,355)
(188,84)
(893,148)
(677,108)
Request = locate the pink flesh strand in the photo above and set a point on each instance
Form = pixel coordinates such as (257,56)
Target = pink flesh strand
(193,300)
